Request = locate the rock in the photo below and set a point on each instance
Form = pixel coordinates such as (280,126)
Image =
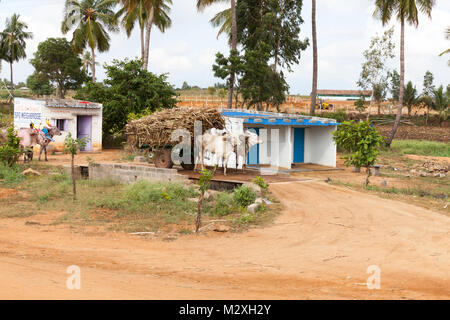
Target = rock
(441,175)
(267,201)
(356,169)
(259,200)
(193,200)
(140,159)
(423,174)
(413,171)
(253,207)
(221,228)
(437,175)
(31,172)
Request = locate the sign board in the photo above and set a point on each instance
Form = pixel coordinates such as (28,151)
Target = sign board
(27,111)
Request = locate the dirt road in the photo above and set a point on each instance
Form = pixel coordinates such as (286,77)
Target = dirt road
(319,248)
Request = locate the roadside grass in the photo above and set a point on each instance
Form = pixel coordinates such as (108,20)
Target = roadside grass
(420,147)
(421,192)
(139,207)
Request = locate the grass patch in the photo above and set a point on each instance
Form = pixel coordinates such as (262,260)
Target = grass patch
(10,176)
(421,148)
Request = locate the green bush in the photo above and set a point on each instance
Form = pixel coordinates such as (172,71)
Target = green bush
(244,196)
(10,150)
(260,183)
(224,204)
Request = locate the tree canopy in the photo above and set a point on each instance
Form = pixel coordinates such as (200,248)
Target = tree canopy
(57,63)
(128,89)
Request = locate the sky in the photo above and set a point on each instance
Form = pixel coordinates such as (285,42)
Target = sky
(187,50)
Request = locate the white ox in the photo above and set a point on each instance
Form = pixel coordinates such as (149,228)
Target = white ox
(223,145)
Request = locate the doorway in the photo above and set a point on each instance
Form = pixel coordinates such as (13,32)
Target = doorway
(84,129)
(299,145)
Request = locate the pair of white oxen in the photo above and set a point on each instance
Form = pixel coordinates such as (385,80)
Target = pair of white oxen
(224,144)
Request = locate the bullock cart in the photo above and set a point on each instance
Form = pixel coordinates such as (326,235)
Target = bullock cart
(153,134)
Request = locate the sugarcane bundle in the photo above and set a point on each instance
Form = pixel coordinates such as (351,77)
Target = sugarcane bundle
(155,130)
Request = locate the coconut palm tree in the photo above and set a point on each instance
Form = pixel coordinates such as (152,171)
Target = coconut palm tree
(86,58)
(440,101)
(410,97)
(201,5)
(315,63)
(404,11)
(147,13)
(447,36)
(13,42)
(222,20)
(91,20)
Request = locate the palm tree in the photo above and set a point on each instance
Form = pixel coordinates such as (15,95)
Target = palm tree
(91,19)
(440,103)
(13,44)
(201,5)
(147,13)
(404,11)
(447,36)
(410,96)
(222,20)
(86,58)
(315,63)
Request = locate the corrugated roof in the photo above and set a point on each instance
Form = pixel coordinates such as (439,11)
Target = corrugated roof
(344,92)
(277,119)
(65,103)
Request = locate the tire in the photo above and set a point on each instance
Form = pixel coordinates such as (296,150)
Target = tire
(163,159)
(187,166)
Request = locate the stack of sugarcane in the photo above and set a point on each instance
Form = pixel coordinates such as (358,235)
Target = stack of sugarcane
(155,130)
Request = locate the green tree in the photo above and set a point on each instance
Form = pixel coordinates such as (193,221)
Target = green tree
(410,97)
(404,11)
(88,62)
(39,85)
(13,42)
(379,94)
(91,20)
(440,102)
(56,62)
(128,89)
(10,150)
(394,85)
(229,23)
(204,183)
(374,72)
(428,89)
(362,141)
(72,146)
(147,13)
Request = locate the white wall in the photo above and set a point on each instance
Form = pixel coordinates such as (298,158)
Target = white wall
(269,153)
(319,146)
(51,113)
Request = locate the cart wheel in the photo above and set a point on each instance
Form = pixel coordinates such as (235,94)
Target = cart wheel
(163,159)
(188,166)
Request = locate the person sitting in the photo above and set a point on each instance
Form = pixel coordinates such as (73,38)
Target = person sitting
(47,134)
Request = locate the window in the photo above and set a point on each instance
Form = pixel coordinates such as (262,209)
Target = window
(61,124)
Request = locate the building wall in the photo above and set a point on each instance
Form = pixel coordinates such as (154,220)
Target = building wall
(269,153)
(27,110)
(319,146)
(71,114)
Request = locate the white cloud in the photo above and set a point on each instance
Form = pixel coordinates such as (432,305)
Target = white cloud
(187,50)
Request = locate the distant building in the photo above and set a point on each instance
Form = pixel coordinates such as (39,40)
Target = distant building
(343,94)
(80,118)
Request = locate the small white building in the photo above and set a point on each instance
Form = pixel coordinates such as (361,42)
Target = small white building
(301,139)
(80,118)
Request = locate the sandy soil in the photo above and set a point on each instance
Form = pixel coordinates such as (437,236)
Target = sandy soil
(319,247)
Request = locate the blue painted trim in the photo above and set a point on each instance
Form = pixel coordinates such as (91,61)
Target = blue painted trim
(267,120)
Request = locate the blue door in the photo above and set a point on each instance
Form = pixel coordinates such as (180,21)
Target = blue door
(299,145)
(253,154)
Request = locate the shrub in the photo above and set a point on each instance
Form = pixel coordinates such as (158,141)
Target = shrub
(224,205)
(260,183)
(244,196)
(10,150)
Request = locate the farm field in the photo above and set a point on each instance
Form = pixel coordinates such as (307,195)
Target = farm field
(322,240)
